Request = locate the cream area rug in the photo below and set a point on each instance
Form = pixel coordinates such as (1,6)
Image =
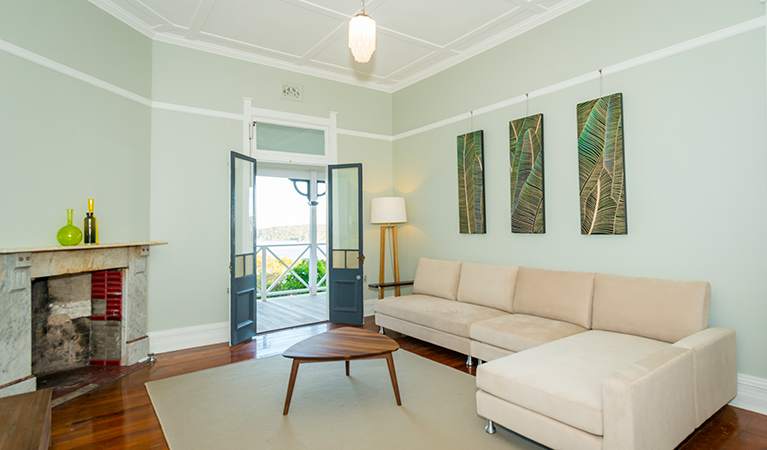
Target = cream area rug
(239,406)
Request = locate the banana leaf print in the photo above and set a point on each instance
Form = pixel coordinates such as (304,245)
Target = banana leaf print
(471,183)
(526,166)
(600,165)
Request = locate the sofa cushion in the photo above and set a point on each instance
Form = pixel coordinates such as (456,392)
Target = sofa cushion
(437,278)
(486,285)
(563,379)
(555,294)
(517,332)
(438,313)
(667,310)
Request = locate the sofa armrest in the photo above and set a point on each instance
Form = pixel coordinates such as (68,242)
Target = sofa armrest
(650,404)
(716,369)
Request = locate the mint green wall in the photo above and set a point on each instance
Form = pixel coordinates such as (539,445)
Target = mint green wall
(695,127)
(190,77)
(80,35)
(63,141)
(595,35)
(189,277)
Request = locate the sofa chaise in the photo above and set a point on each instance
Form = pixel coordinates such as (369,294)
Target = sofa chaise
(576,360)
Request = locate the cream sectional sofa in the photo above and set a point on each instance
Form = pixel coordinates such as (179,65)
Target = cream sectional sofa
(576,360)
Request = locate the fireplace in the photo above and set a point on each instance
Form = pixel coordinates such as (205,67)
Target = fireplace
(67,307)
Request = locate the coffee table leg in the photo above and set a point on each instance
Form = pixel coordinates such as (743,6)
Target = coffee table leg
(393,374)
(347,368)
(291,383)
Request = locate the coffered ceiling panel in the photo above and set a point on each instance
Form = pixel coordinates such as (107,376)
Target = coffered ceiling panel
(274,24)
(506,24)
(427,20)
(178,12)
(416,38)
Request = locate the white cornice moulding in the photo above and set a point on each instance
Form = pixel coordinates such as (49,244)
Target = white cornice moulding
(125,17)
(488,44)
(682,47)
(691,44)
(135,23)
(266,61)
(27,55)
(189,337)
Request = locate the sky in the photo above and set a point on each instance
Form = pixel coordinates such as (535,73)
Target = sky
(278,204)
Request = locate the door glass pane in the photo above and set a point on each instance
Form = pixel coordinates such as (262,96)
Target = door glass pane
(339,259)
(239,263)
(243,206)
(345,208)
(249,270)
(351,260)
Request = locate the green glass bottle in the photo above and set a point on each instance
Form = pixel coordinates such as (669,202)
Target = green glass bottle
(90,226)
(69,234)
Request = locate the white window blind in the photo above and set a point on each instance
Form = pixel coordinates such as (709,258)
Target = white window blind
(280,138)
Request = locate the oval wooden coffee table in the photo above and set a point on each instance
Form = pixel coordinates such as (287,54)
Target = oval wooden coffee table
(341,344)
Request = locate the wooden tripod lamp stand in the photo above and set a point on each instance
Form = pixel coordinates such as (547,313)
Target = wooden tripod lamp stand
(388,210)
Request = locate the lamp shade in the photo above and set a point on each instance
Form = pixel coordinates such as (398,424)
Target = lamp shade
(362,37)
(388,210)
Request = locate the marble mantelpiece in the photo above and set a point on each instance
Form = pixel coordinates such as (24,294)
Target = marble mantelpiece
(17,269)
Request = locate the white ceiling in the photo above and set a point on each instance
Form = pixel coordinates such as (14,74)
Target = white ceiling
(416,38)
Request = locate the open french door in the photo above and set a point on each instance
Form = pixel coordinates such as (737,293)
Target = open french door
(345,273)
(242,319)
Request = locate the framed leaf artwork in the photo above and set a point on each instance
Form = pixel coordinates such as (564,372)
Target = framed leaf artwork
(471,183)
(526,166)
(600,164)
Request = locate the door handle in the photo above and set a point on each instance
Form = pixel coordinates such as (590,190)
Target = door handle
(361,259)
(359,277)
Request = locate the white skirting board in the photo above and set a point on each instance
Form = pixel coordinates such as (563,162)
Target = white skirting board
(752,394)
(752,391)
(198,336)
(369,307)
(188,337)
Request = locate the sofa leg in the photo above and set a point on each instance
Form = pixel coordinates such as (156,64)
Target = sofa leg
(490,427)
(381,330)
(469,361)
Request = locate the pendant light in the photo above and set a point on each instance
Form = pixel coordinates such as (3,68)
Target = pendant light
(362,36)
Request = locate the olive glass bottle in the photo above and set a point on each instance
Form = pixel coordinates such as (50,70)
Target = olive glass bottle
(90,226)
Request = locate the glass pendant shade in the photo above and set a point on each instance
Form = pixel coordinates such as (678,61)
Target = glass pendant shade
(362,37)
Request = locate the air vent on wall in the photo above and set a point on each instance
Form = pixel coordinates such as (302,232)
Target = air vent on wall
(292,91)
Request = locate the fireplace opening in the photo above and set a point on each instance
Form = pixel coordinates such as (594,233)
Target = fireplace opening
(76,330)
(61,323)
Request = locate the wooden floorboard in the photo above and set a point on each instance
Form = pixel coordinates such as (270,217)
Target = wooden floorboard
(120,415)
(278,313)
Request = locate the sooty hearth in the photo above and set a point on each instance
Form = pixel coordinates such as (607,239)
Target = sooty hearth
(61,323)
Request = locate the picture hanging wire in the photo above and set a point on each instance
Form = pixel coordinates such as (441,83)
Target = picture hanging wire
(527,104)
(600,83)
(471,120)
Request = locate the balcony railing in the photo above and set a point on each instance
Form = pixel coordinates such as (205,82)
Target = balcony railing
(283,253)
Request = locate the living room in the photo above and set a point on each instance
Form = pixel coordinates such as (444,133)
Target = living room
(94,108)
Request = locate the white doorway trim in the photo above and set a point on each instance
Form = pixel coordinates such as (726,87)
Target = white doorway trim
(328,125)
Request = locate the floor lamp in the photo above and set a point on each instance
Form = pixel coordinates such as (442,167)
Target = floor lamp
(388,210)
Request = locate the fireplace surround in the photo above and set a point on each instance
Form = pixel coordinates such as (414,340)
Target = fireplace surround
(18,267)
